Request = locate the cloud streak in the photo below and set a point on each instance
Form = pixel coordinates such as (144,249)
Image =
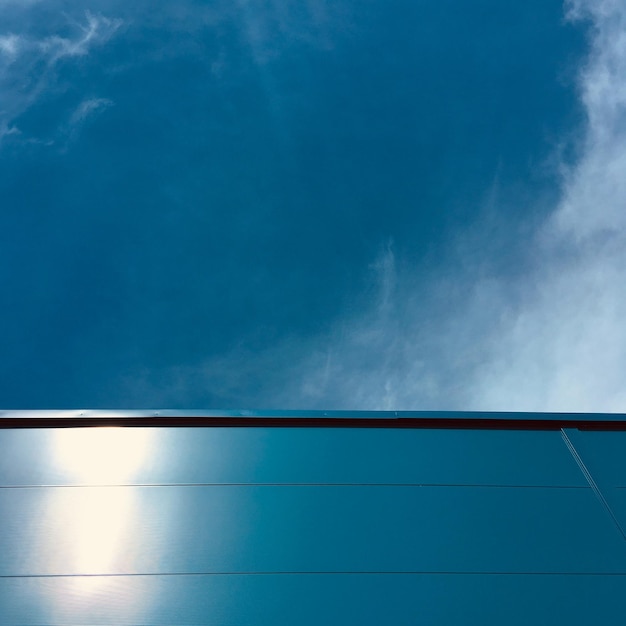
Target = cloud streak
(29,65)
(473,334)
(565,348)
(555,339)
(550,339)
(96,30)
(88,108)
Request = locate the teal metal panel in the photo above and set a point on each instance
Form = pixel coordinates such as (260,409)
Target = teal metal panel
(311,525)
(310,600)
(134,530)
(303,455)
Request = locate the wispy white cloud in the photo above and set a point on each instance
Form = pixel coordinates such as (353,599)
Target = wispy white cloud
(550,339)
(6,130)
(29,64)
(472,335)
(97,29)
(9,45)
(87,108)
(84,112)
(565,347)
(554,339)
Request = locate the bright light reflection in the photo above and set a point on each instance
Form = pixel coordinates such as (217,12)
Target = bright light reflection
(94,527)
(100,519)
(101,456)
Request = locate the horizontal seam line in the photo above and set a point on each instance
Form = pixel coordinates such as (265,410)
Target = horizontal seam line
(315,573)
(428,485)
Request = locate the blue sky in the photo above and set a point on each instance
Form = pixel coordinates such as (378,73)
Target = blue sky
(281,204)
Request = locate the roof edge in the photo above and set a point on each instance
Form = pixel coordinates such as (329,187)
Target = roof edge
(178,418)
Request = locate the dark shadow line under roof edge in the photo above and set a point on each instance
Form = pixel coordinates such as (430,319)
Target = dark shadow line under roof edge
(462,420)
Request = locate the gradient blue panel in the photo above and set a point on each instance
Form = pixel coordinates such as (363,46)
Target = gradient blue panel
(616,500)
(314,600)
(402,527)
(264,455)
(604,454)
(243,529)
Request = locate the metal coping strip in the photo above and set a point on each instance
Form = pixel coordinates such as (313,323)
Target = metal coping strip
(313,419)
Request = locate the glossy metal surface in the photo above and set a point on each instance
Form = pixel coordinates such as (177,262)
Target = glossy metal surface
(309,525)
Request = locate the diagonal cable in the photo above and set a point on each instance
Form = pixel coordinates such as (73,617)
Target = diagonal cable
(591,481)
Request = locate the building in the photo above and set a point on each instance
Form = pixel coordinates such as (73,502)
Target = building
(311,518)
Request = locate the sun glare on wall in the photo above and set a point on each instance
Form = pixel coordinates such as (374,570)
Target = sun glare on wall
(91,524)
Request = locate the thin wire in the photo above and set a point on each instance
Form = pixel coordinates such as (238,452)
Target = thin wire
(592,482)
